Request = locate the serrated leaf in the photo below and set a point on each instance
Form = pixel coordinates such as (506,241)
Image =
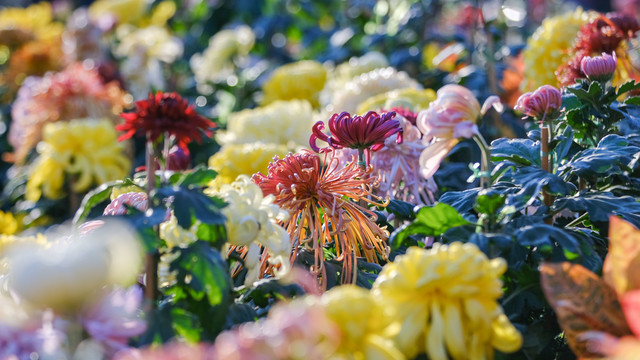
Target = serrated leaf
(628,86)
(599,205)
(430,221)
(545,235)
(192,204)
(460,200)
(198,177)
(613,155)
(634,100)
(401,209)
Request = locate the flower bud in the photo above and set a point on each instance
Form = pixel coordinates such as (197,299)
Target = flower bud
(542,104)
(178,159)
(599,68)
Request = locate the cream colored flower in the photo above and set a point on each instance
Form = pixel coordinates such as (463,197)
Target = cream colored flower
(300,80)
(367,85)
(252,220)
(216,63)
(243,159)
(87,149)
(281,122)
(408,98)
(175,235)
(446,299)
(143,51)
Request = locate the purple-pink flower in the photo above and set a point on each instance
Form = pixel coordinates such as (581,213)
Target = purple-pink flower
(367,132)
(116,319)
(118,206)
(542,104)
(451,116)
(599,68)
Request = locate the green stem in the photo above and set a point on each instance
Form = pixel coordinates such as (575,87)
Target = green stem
(151,260)
(577,221)
(485,161)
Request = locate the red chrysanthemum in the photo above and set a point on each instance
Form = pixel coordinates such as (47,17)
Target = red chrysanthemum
(165,113)
(406,113)
(366,132)
(323,204)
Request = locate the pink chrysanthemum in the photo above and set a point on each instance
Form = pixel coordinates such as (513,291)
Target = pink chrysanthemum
(118,206)
(322,202)
(74,93)
(166,113)
(542,104)
(367,132)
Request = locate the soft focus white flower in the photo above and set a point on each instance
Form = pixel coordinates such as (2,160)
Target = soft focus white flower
(216,63)
(281,122)
(74,269)
(362,87)
(175,235)
(252,220)
(143,50)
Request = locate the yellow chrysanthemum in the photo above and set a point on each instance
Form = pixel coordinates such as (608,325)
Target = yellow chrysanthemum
(35,20)
(446,300)
(8,223)
(408,98)
(282,122)
(363,322)
(243,159)
(299,80)
(126,11)
(548,47)
(252,220)
(87,149)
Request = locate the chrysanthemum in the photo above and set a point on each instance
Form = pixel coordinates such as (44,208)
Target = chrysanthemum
(322,203)
(86,149)
(76,92)
(281,122)
(446,299)
(364,86)
(299,80)
(216,63)
(243,159)
(366,133)
(411,99)
(8,223)
(165,113)
(36,21)
(548,48)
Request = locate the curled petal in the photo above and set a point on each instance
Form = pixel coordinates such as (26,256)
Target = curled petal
(465,129)
(316,133)
(433,155)
(492,101)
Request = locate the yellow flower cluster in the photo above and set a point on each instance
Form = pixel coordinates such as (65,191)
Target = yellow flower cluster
(243,159)
(252,220)
(86,149)
(281,122)
(408,98)
(299,80)
(8,223)
(35,20)
(363,322)
(548,47)
(216,63)
(175,235)
(446,301)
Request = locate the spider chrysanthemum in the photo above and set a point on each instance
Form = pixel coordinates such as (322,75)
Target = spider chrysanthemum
(322,202)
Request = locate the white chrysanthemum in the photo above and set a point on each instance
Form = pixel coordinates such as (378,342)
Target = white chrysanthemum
(252,220)
(215,64)
(282,122)
(175,235)
(346,71)
(143,50)
(367,85)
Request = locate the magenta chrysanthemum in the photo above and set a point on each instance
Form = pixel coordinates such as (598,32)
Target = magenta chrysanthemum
(366,132)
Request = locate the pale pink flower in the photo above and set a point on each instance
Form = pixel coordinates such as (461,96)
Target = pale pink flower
(20,343)
(451,116)
(116,318)
(542,104)
(599,68)
(118,206)
(172,351)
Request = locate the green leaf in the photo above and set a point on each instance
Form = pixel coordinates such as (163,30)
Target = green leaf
(185,324)
(571,102)
(192,203)
(216,235)
(520,151)
(97,196)
(159,326)
(595,90)
(599,205)
(613,155)
(401,209)
(430,221)
(461,200)
(269,290)
(634,100)
(628,86)
(540,235)
(198,177)
(536,178)
(201,270)
(489,202)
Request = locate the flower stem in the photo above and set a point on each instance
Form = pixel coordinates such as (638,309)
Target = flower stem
(546,161)
(485,161)
(151,259)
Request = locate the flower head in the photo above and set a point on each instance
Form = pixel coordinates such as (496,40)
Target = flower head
(86,148)
(299,80)
(367,132)
(446,299)
(320,200)
(599,68)
(543,104)
(8,223)
(408,100)
(118,206)
(243,159)
(165,113)
(451,116)
(35,22)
